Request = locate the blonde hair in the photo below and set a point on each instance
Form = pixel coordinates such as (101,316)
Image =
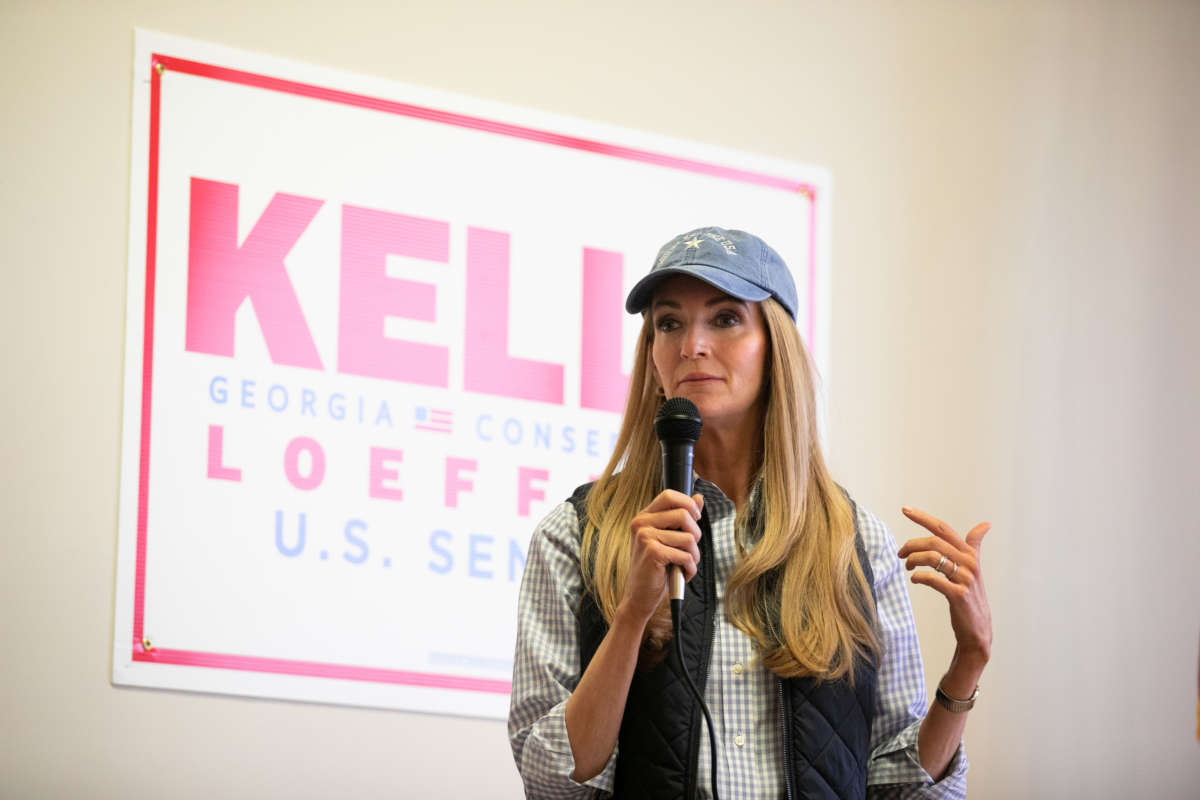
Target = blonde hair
(799,591)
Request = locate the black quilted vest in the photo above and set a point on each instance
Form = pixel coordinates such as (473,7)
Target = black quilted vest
(826,726)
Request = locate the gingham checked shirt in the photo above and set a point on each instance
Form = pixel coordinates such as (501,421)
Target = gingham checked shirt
(741,695)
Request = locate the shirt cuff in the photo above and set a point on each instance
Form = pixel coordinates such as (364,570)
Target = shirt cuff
(895,770)
(548,762)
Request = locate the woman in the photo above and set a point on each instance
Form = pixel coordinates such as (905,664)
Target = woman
(797,624)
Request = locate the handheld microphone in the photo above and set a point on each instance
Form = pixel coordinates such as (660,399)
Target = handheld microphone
(678,427)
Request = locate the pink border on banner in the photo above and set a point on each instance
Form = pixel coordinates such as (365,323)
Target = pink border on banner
(317,669)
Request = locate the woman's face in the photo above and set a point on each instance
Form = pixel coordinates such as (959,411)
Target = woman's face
(708,347)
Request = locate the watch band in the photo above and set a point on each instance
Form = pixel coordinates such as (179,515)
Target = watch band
(957,706)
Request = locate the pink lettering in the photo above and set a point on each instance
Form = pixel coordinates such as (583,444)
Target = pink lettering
(222,275)
(602,384)
(291,463)
(368,296)
(380,472)
(216,445)
(487,366)
(456,484)
(526,492)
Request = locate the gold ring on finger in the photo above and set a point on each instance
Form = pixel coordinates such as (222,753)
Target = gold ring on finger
(938,568)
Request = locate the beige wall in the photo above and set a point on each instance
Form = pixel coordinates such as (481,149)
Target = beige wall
(1014,338)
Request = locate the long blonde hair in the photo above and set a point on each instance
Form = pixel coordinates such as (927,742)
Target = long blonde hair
(799,591)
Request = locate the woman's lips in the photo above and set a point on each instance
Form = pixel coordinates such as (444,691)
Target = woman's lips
(699,379)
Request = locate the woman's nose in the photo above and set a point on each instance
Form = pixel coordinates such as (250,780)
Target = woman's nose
(695,343)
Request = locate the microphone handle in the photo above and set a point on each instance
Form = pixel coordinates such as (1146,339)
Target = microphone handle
(675,579)
(677,475)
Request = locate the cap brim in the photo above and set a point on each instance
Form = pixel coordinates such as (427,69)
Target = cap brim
(643,291)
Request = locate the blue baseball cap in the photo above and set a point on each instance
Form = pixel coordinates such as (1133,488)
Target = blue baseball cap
(738,263)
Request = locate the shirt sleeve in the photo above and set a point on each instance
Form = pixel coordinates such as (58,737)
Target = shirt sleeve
(894,771)
(546,664)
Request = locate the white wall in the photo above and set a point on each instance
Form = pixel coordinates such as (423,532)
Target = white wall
(1014,338)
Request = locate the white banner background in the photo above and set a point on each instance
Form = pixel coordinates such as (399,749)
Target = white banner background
(395,601)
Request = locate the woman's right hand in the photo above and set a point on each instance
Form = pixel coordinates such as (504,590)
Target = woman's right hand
(663,533)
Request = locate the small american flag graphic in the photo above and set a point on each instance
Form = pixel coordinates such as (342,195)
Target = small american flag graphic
(438,420)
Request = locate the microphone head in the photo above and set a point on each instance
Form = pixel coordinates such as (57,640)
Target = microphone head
(678,420)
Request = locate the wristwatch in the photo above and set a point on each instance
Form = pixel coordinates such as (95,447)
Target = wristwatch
(957,706)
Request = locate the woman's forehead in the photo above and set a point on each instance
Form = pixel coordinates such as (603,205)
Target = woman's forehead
(679,288)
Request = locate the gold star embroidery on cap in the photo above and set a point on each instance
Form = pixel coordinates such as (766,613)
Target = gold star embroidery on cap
(695,242)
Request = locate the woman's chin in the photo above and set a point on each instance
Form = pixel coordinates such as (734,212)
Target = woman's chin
(700,398)
(708,406)
(700,391)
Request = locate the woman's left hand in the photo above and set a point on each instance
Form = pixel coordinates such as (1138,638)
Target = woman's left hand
(955,571)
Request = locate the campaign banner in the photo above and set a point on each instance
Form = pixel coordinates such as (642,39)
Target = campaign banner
(373,334)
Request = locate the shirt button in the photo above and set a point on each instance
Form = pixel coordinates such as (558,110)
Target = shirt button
(739,740)
(737,669)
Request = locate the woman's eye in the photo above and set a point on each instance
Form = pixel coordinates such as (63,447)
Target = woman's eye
(666,324)
(726,319)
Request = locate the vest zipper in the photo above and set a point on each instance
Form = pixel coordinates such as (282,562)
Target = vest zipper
(787,756)
(707,666)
